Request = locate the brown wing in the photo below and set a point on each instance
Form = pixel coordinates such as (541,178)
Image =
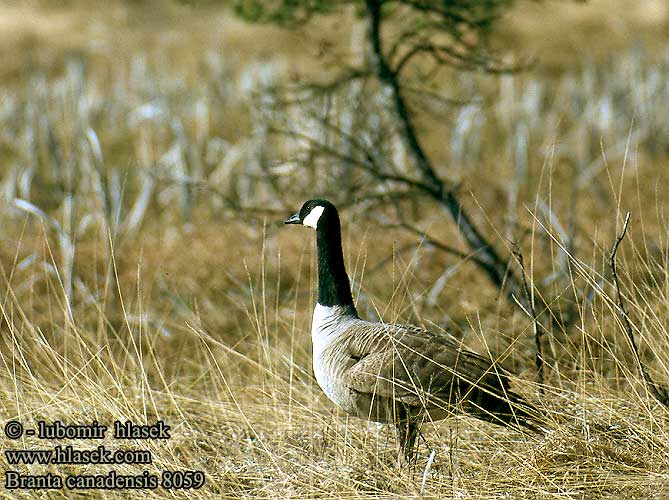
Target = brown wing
(420,368)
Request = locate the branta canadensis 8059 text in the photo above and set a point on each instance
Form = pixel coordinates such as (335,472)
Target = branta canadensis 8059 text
(391,373)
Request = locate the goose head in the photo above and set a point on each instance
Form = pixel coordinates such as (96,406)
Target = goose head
(314,214)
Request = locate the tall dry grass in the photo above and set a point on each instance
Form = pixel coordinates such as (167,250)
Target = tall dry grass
(134,286)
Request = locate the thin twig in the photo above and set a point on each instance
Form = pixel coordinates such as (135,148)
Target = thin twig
(426,238)
(538,333)
(660,393)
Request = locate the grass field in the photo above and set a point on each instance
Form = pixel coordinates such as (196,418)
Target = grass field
(134,286)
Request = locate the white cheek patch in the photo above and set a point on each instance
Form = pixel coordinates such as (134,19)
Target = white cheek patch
(311,220)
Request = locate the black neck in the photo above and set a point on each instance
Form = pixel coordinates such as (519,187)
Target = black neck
(334,288)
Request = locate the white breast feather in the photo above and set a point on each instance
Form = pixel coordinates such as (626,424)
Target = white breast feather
(328,324)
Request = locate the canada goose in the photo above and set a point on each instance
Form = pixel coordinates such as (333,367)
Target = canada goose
(392,373)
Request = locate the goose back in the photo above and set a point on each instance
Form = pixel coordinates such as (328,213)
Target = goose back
(386,372)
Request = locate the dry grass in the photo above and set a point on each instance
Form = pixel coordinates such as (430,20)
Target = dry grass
(129,292)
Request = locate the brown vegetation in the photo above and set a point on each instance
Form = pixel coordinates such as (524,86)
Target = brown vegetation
(136,285)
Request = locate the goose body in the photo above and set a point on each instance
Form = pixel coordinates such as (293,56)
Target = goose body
(398,374)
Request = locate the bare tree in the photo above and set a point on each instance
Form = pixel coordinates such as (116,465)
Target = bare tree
(403,38)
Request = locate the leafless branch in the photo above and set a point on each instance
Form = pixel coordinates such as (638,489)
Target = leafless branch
(296,94)
(537,328)
(381,264)
(437,97)
(436,243)
(443,54)
(368,163)
(660,393)
(495,267)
